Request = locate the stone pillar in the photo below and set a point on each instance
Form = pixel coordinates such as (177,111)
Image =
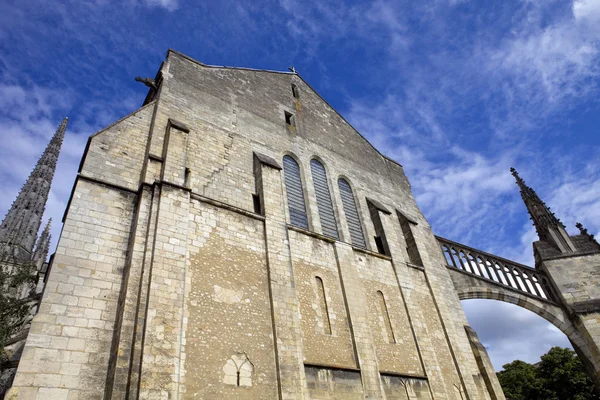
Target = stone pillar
(359,319)
(486,369)
(413,308)
(69,344)
(286,309)
(133,298)
(458,360)
(160,369)
(576,278)
(162,358)
(140,314)
(449,309)
(175,153)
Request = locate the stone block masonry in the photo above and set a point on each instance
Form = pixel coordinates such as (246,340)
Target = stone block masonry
(179,275)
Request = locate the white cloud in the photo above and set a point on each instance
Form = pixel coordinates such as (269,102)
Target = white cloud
(170,5)
(577,199)
(461,181)
(552,62)
(542,67)
(460,191)
(510,332)
(587,11)
(29,119)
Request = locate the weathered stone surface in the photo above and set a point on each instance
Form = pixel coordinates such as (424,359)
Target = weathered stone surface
(168,283)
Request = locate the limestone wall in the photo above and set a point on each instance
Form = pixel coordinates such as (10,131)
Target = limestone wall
(228,329)
(68,348)
(168,284)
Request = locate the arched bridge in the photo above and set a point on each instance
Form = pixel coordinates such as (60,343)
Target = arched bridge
(480,275)
(484,270)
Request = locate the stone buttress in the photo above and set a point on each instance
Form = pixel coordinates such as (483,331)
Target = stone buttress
(181,271)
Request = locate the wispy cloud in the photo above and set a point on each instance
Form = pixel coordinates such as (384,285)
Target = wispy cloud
(170,5)
(518,81)
(456,91)
(549,64)
(531,336)
(30,116)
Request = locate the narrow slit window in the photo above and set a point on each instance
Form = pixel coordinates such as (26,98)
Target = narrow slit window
(324,204)
(380,239)
(352,218)
(411,245)
(187,177)
(323,306)
(295,194)
(379,244)
(289,118)
(256,203)
(386,318)
(295,91)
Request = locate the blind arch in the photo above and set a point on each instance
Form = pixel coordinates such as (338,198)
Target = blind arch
(323,304)
(352,218)
(385,315)
(324,204)
(295,194)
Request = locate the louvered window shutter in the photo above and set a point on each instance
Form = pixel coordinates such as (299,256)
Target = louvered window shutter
(326,214)
(356,233)
(295,196)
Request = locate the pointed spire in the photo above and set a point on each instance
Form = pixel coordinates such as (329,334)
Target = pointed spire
(22,222)
(548,227)
(43,247)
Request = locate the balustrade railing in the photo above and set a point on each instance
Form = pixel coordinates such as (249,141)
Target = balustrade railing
(496,269)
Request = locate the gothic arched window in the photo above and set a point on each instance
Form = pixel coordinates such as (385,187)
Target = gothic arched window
(295,194)
(356,232)
(326,214)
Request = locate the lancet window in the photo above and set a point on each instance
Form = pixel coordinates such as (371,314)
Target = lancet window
(323,306)
(352,218)
(324,204)
(295,194)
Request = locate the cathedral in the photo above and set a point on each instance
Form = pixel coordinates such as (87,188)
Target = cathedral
(24,259)
(237,238)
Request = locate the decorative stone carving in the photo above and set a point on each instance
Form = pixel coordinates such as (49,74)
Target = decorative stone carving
(238,370)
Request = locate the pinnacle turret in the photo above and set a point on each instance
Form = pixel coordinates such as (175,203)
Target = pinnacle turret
(42,247)
(548,227)
(584,232)
(18,231)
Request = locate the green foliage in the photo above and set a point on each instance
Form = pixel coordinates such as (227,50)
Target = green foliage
(519,380)
(13,311)
(559,376)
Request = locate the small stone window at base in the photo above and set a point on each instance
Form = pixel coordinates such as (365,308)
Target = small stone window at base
(238,370)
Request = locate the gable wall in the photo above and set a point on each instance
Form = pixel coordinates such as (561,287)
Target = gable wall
(204,281)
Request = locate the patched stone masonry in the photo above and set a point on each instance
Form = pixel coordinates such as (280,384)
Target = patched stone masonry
(178,274)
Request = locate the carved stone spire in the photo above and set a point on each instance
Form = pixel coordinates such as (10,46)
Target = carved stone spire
(548,227)
(42,247)
(20,227)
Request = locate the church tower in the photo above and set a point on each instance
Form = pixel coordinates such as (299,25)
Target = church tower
(572,262)
(19,229)
(21,256)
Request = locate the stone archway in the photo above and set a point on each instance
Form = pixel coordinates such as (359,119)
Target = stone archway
(472,288)
(480,275)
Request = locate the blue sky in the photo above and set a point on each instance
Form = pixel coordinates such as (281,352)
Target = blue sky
(456,91)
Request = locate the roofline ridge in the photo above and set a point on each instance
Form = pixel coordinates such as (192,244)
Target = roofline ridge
(226,66)
(171,50)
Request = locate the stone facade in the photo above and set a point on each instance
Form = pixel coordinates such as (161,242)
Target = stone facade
(178,273)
